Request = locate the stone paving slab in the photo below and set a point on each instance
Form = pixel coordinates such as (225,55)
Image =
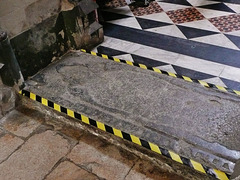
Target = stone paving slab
(19,127)
(67,170)
(8,144)
(195,122)
(146,171)
(56,150)
(35,158)
(104,160)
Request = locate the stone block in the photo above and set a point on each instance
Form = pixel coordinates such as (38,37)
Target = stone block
(144,170)
(103,159)
(20,124)
(8,144)
(35,158)
(67,170)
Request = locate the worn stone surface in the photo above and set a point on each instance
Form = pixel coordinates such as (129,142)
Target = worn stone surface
(19,124)
(35,158)
(144,170)
(7,100)
(40,32)
(58,150)
(198,123)
(67,170)
(101,158)
(19,16)
(8,144)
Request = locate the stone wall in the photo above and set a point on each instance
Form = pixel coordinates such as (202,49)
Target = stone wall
(40,31)
(17,16)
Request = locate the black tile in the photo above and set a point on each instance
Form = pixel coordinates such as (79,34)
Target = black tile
(178,45)
(110,51)
(191,73)
(181,2)
(234,39)
(109,16)
(147,61)
(147,24)
(136,58)
(194,32)
(228,1)
(218,7)
(231,84)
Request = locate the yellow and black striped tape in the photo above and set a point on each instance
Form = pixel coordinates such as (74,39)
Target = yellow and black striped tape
(203,83)
(130,137)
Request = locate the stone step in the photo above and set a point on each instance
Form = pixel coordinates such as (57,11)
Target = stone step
(194,122)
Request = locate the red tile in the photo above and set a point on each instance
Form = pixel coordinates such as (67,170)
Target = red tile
(185,15)
(227,23)
(151,9)
(115,3)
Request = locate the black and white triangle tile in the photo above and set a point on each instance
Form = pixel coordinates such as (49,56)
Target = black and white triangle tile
(195,38)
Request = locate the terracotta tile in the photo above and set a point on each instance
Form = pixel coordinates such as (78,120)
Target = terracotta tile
(115,3)
(227,23)
(151,9)
(185,15)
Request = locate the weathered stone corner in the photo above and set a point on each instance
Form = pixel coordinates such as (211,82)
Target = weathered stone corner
(39,34)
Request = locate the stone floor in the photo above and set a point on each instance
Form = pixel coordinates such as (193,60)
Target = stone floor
(195,38)
(195,122)
(35,145)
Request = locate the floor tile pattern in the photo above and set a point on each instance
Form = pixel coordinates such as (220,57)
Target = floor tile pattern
(196,38)
(115,3)
(227,23)
(151,9)
(185,15)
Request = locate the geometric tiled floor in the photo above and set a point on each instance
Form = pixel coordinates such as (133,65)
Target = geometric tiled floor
(196,38)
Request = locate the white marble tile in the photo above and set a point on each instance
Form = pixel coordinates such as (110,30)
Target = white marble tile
(128,22)
(125,10)
(217,40)
(201,2)
(234,33)
(157,54)
(209,13)
(234,7)
(121,45)
(167,68)
(231,73)
(216,81)
(141,50)
(171,30)
(94,49)
(202,24)
(170,6)
(162,17)
(200,65)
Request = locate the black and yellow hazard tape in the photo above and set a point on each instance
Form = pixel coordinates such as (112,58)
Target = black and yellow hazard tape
(203,83)
(129,137)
